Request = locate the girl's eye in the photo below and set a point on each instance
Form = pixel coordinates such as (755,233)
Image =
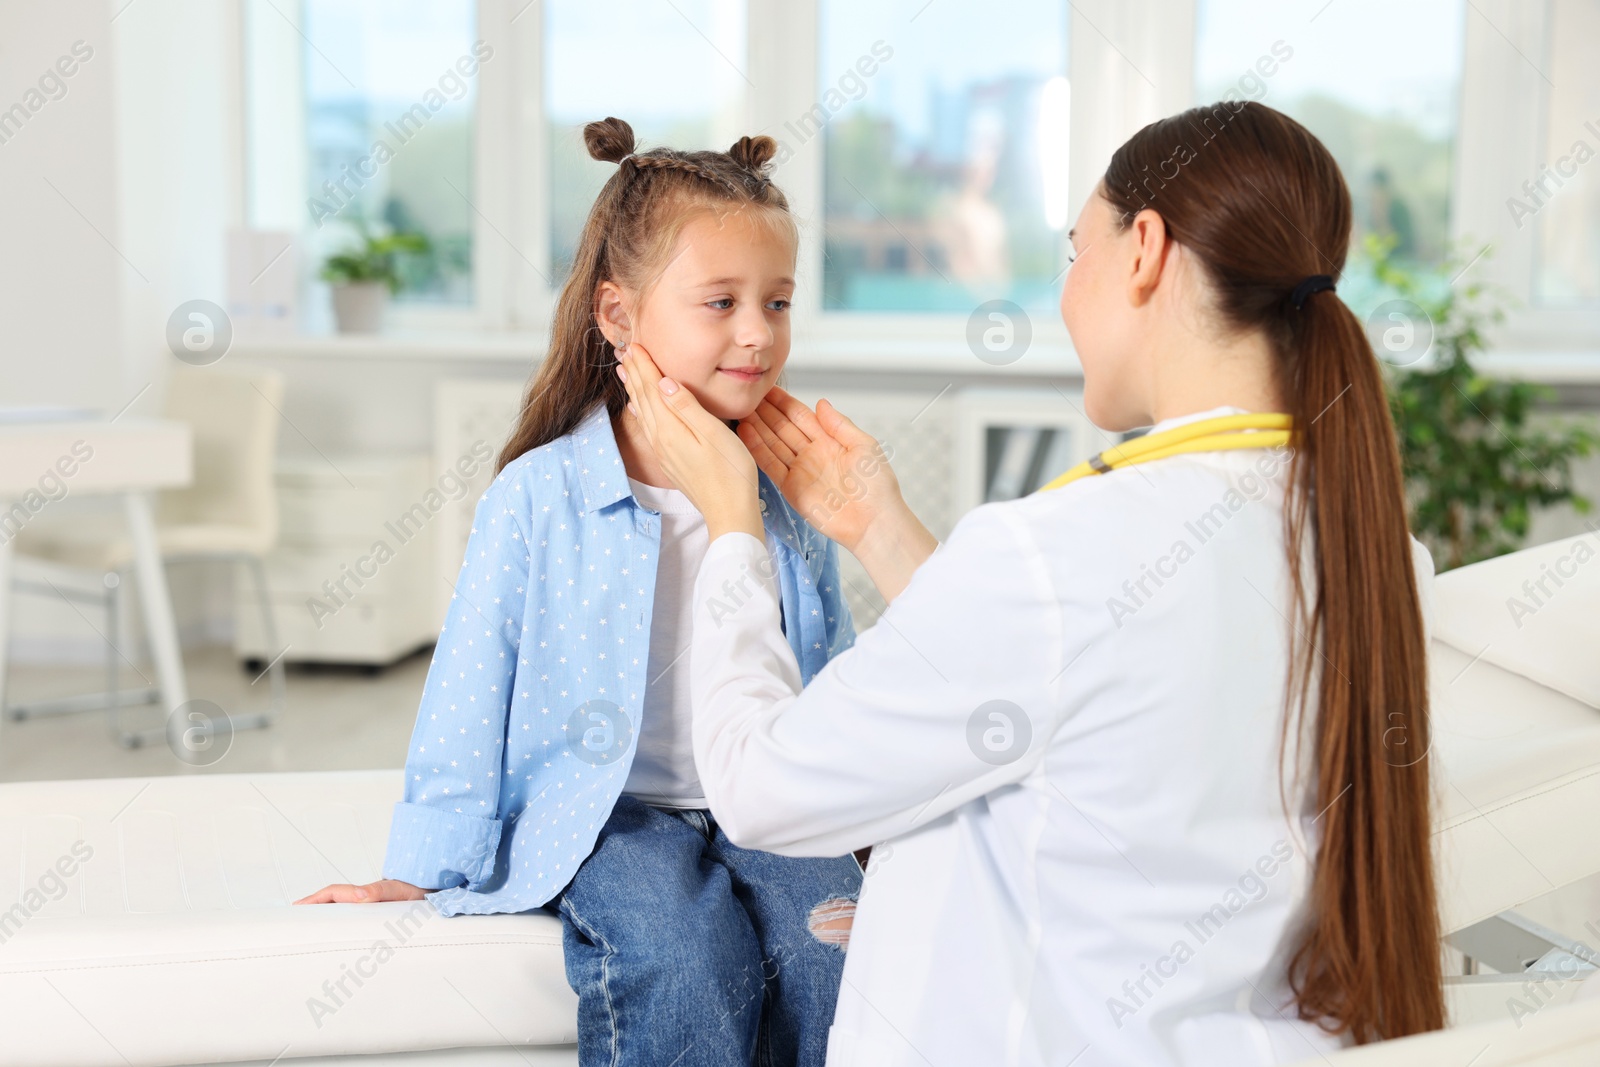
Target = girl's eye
(722,303)
(779,304)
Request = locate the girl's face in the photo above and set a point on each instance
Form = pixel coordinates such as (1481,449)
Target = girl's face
(1105,330)
(717,320)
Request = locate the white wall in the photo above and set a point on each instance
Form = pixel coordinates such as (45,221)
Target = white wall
(118,195)
(61,271)
(61,277)
(177,168)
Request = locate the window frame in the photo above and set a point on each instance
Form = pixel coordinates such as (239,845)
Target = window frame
(1148,34)
(1503,83)
(273,124)
(1110,45)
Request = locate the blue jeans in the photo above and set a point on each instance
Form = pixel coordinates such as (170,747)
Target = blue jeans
(688,951)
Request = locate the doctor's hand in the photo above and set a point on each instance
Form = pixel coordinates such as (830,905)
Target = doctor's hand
(704,459)
(834,473)
(839,479)
(384,889)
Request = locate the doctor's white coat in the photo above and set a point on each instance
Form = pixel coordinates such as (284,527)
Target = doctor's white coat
(1063,739)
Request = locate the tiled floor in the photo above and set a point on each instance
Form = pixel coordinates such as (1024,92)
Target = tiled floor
(335,718)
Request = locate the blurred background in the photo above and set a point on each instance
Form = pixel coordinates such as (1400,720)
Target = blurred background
(282,268)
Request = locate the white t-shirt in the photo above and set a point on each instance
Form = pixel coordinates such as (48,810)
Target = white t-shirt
(663,769)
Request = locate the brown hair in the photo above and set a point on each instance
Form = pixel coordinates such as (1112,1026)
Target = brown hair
(631,230)
(1259,201)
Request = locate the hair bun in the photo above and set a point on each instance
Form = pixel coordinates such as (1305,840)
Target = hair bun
(609,140)
(753,153)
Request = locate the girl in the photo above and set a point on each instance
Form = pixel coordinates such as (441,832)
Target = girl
(1140,745)
(551,765)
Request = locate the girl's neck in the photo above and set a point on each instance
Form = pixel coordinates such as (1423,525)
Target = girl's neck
(638,458)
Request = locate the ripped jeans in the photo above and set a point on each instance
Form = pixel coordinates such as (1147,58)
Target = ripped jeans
(688,951)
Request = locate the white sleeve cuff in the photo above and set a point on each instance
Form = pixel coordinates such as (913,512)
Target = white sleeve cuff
(737,572)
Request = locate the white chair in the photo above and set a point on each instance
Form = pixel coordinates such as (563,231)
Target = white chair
(1565,1036)
(229,512)
(1516,762)
(1516,698)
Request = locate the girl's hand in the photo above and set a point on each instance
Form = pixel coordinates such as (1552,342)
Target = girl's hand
(704,459)
(835,474)
(384,889)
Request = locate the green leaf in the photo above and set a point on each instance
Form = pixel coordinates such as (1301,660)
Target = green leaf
(1475,472)
(373,259)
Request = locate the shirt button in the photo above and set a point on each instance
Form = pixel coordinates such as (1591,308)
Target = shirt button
(761,502)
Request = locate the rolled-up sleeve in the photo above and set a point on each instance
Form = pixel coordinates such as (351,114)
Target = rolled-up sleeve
(446,832)
(882,739)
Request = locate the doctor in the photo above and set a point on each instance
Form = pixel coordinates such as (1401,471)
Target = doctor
(1135,752)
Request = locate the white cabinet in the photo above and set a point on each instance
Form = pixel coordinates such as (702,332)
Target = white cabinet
(471,421)
(352,578)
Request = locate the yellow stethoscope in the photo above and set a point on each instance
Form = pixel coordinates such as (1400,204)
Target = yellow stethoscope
(1258,429)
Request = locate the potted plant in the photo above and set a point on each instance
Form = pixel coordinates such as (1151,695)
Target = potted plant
(363,278)
(1475,467)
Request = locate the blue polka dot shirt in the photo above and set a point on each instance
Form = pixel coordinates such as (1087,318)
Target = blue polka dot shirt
(524,736)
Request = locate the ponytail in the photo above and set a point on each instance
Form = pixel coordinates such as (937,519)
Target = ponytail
(1261,204)
(1369,957)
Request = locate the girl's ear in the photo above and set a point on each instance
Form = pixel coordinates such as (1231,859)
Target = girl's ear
(611,312)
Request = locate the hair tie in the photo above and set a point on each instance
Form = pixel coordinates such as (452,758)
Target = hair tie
(1316,283)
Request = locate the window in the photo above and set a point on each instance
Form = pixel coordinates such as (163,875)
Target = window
(925,150)
(390,94)
(1566,193)
(676,72)
(1377,81)
(945,160)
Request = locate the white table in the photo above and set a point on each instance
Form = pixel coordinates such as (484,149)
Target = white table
(131,456)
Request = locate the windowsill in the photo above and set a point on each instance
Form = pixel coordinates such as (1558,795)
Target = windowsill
(1547,367)
(832,352)
(396,344)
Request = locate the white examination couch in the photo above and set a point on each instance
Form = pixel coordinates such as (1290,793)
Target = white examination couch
(171,940)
